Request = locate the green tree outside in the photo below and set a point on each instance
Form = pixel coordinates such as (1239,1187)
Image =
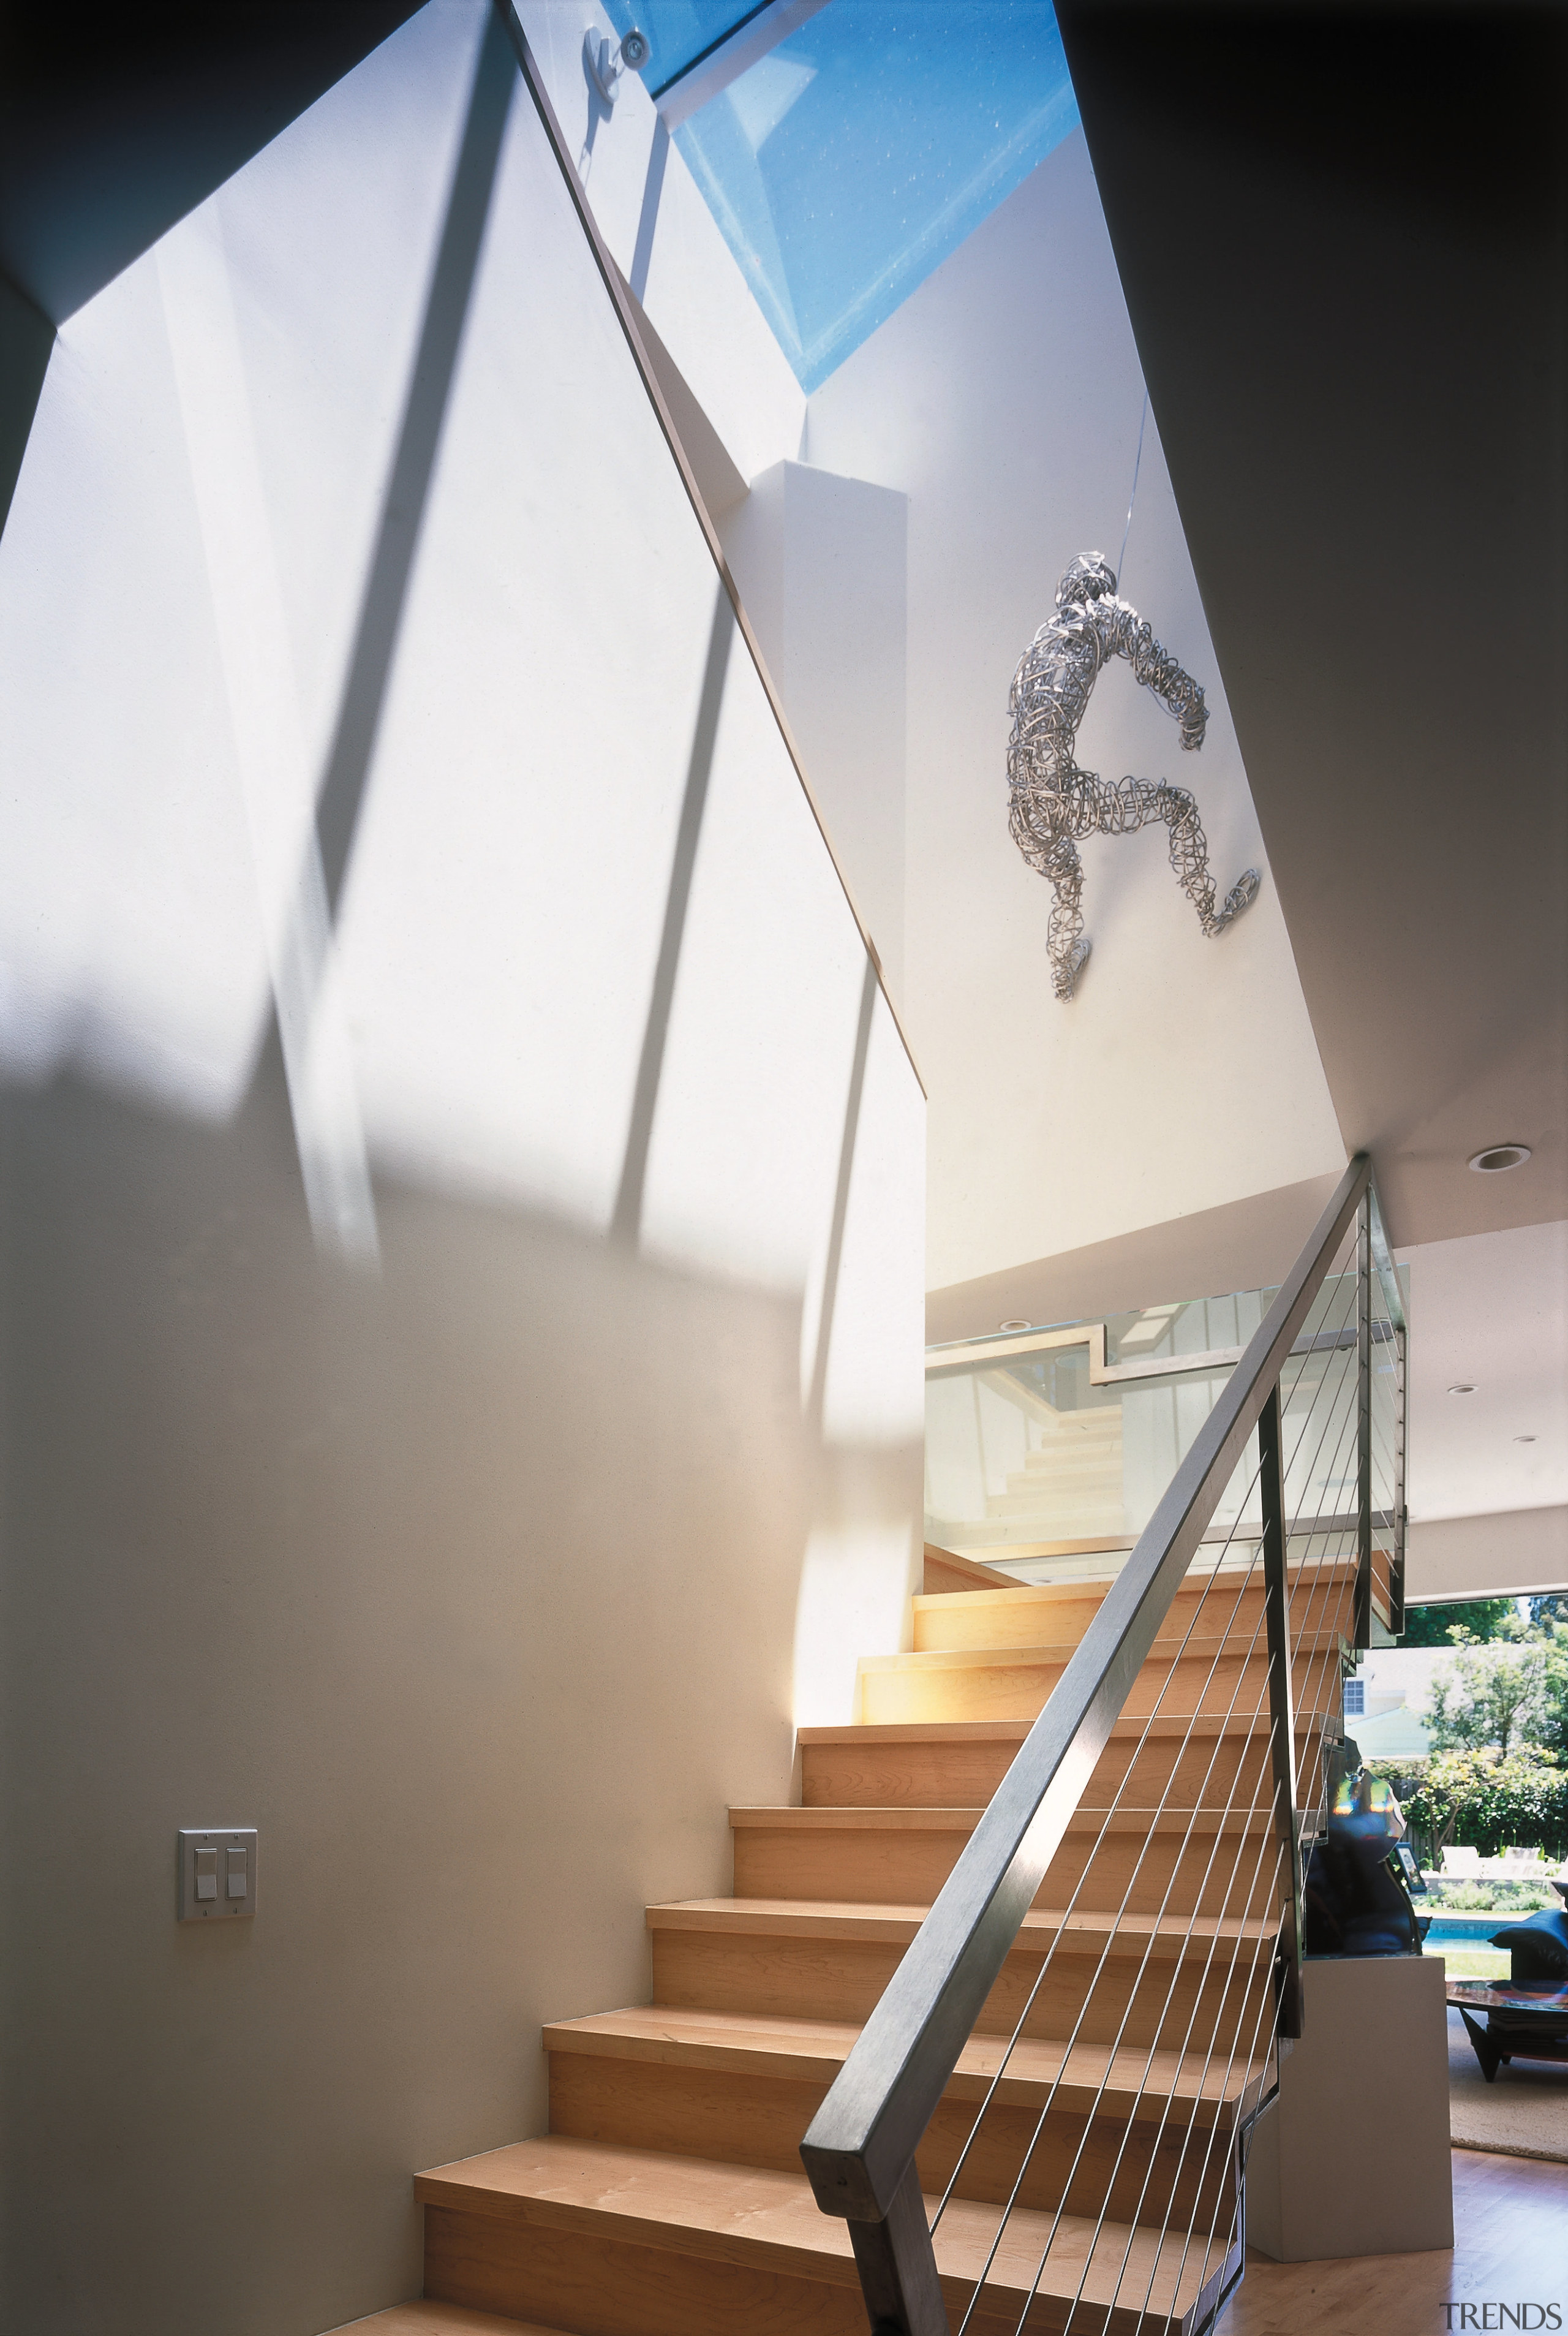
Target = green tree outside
(1488,1700)
(1480,1618)
(1490,1805)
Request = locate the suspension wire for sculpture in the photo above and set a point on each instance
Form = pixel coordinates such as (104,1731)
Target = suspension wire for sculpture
(1131,499)
(1053,802)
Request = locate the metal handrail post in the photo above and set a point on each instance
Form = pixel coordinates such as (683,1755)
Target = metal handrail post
(1401,1521)
(898,2267)
(1363,1613)
(1388,1272)
(1282,1701)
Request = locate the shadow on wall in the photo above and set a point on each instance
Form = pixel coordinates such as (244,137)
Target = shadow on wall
(480,1563)
(473,1584)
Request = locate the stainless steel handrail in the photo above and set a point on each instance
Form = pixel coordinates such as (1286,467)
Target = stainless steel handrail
(860,2150)
(1398,1328)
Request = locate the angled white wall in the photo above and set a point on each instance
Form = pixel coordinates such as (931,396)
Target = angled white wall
(1003,399)
(822,564)
(664,241)
(461,1380)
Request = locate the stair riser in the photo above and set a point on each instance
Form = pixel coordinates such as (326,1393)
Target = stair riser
(1063,1513)
(1091,1483)
(751,2119)
(588,2285)
(1019,1690)
(842,1978)
(1061,1612)
(1096,1463)
(1131,2173)
(1074,1478)
(1234,1875)
(1068,1462)
(1226,1610)
(1208,1772)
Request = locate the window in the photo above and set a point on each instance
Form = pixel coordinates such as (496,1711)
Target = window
(848,162)
(1355,1699)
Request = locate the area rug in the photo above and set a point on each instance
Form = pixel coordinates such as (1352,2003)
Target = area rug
(1523,2113)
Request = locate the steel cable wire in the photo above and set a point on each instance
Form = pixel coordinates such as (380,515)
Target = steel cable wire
(1116,2046)
(1216,1940)
(1300,1372)
(1215,2220)
(1313,1726)
(1316,1709)
(1077,1891)
(1302,1365)
(1061,1932)
(1214,1945)
(1213,1585)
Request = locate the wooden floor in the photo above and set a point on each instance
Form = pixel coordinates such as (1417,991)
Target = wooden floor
(1511,2246)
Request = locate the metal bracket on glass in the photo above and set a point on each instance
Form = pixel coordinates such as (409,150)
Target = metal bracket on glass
(605,66)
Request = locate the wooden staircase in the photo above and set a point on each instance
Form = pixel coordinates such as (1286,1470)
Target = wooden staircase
(668,2198)
(1070,1484)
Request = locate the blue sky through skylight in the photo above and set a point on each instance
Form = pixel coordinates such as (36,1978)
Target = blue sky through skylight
(847,164)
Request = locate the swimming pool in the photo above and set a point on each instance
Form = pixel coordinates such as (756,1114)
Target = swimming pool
(1467,1930)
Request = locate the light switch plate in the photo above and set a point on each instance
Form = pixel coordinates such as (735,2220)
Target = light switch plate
(218,1873)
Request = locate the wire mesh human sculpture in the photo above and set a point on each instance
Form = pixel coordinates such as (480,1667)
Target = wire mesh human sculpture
(1053,802)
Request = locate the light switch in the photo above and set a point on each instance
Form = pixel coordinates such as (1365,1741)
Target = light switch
(206,1854)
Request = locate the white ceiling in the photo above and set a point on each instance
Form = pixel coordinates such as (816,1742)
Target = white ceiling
(1492,1308)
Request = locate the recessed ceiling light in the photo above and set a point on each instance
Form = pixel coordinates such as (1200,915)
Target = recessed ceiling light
(1523,1439)
(1462,1386)
(1012,1326)
(1498,1156)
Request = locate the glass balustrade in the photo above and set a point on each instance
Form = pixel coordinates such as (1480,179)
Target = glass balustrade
(1047,1450)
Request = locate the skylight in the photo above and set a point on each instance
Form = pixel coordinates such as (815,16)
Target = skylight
(848,161)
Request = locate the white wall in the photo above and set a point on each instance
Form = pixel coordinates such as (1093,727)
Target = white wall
(462,1434)
(1498,1556)
(666,244)
(1003,398)
(1489,1311)
(822,564)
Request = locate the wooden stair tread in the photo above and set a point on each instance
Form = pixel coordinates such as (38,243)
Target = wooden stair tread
(901,1817)
(423,2318)
(813,2050)
(1013,1731)
(1194,1582)
(963,1574)
(1252,1647)
(750,2215)
(805,1918)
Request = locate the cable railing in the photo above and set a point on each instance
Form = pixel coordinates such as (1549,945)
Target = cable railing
(1135,2026)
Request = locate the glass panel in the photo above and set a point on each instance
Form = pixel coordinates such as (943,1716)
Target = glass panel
(846,164)
(1034,1465)
(679,32)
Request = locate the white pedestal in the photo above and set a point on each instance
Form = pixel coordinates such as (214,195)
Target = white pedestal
(1352,2157)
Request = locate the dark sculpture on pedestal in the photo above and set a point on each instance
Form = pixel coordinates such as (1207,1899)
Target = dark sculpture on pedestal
(1054,802)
